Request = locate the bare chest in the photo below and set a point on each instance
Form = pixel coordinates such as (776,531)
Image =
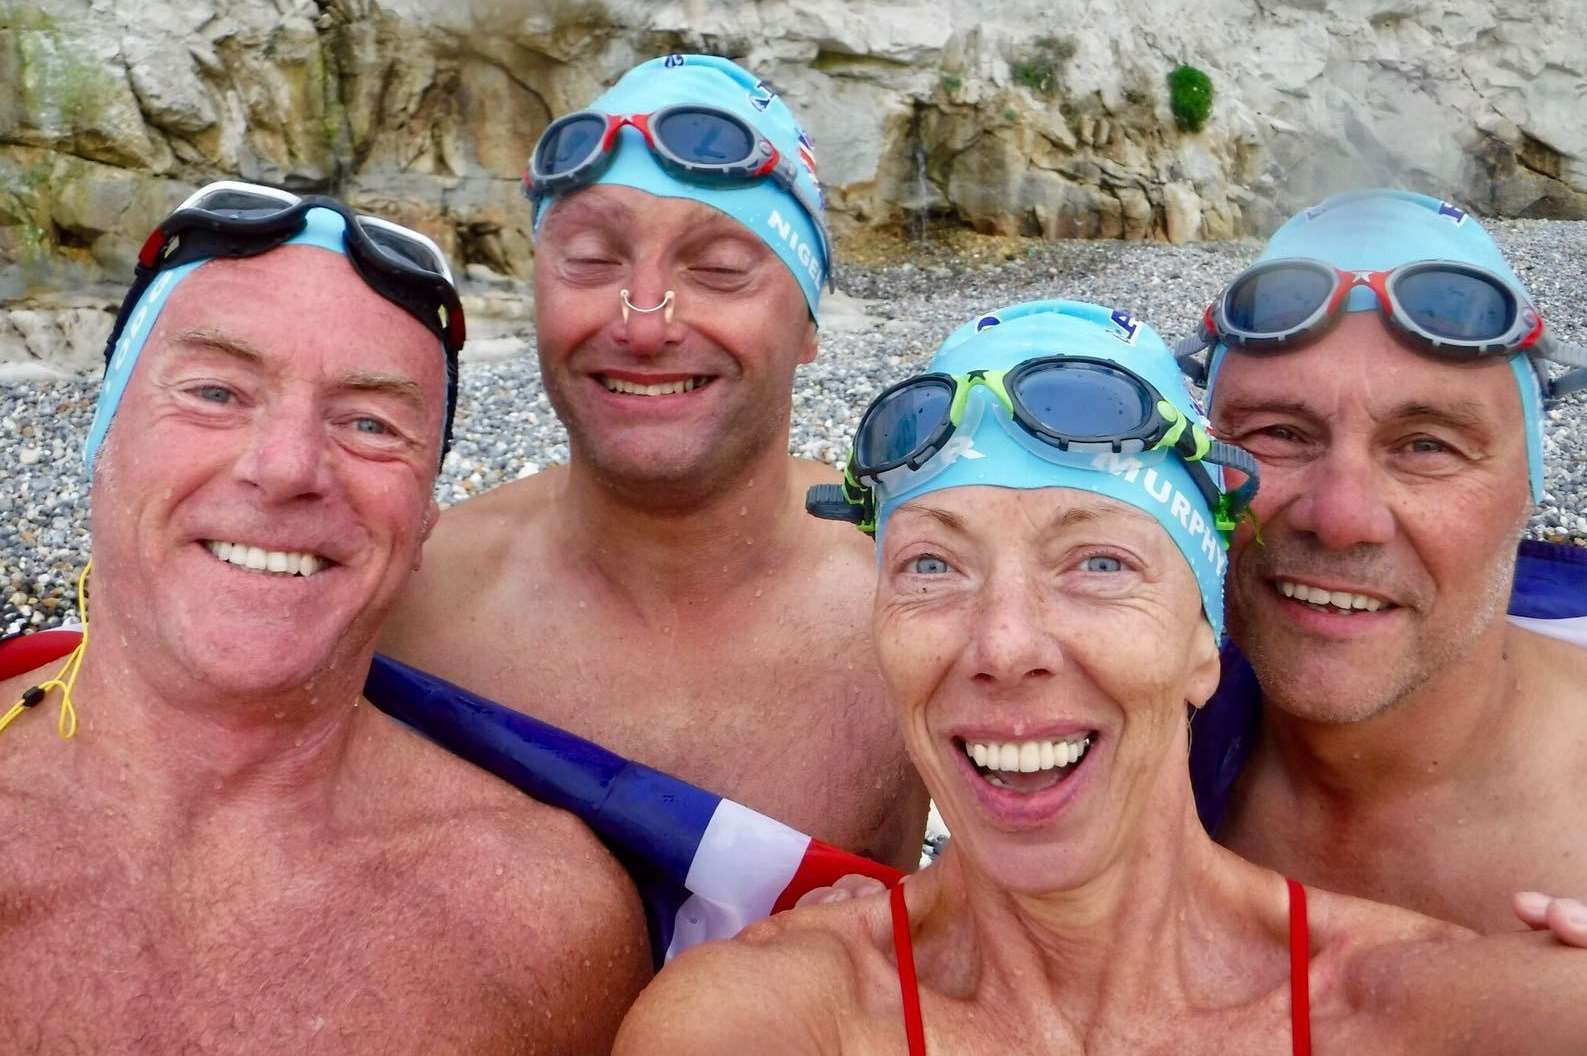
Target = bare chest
(105,954)
(773,707)
(1032,1025)
(1457,857)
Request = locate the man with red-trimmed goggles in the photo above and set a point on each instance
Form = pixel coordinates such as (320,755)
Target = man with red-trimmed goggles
(228,219)
(695,141)
(1444,308)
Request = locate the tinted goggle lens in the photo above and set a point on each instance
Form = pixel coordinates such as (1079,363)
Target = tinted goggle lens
(567,143)
(242,205)
(404,250)
(703,137)
(902,421)
(1277,300)
(1456,305)
(1084,401)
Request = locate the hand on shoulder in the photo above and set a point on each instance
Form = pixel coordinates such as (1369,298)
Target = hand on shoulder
(771,990)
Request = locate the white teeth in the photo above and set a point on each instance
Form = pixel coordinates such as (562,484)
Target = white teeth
(1029,758)
(280,562)
(666,388)
(1008,757)
(1026,757)
(1339,599)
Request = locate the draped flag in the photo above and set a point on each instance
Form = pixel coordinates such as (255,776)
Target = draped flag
(705,866)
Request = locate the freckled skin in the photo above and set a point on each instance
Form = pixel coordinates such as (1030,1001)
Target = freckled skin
(665,594)
(1117,926)
(1420,764)
(235,853)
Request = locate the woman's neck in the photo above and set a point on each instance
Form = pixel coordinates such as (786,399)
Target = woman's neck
(1175,922)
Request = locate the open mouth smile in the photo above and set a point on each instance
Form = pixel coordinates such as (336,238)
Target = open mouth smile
(270,562)
(1338,602)
(1026,767)
(676,387)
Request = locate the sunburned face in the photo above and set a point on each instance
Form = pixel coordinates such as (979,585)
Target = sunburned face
(266,483)
(1041,646)
(651,402)
(1394,488)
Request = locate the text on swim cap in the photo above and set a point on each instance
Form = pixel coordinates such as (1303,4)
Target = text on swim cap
(809,259)
(1165,494)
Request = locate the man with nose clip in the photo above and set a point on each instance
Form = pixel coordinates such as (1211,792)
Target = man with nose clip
(1414,745)
(227,849)
(662,593)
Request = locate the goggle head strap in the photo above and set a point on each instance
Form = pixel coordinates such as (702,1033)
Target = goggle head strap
(1567,355)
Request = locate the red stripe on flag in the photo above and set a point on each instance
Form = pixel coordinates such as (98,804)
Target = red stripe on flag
(25,652)
(823,865)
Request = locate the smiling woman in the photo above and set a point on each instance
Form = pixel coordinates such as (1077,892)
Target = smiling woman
(1045,611)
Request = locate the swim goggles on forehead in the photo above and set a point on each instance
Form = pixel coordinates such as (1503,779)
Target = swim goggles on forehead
(1071,405)
(230,219)
(1443,308)
(693,141)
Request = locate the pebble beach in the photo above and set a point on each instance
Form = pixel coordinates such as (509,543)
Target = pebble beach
(898,301)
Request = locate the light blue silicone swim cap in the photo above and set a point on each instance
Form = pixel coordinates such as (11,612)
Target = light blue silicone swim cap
(322,228)
(1378,230)
(997,451)
(773,214)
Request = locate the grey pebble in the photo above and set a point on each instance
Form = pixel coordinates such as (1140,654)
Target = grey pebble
(505,429)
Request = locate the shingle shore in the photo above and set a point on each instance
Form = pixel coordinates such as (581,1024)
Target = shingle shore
(505,427)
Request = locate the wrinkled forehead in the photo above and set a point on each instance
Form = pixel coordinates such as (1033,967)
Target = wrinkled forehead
(1359,367)
(297,305)
(637,216)
(1009,517)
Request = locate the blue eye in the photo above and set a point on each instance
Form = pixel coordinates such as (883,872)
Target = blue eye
(371,425)
(929,565)
(1102,563)
(214,393)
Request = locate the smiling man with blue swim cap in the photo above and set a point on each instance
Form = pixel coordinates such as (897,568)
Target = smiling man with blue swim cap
(662,593)
(226,847)
(1388,369)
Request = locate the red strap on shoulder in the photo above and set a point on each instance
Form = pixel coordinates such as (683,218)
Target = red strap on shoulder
(28,651)
(914,1028)
(1299,971)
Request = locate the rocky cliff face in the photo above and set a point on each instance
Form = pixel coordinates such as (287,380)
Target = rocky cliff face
(1048,117)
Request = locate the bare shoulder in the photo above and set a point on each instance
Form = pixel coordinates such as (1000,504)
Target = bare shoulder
(1396,981)
(466,552)
(562,923)
(780,986)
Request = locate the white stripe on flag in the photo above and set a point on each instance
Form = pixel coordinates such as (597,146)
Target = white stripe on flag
(1572,629)
(744,861)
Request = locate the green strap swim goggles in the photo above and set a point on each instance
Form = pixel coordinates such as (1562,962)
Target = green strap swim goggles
(1077,405)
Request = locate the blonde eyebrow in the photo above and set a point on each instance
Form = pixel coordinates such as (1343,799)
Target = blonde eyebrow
(208,337)
(395,385)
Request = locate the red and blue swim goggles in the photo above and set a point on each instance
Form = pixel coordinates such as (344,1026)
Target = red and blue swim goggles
(692,142)
(1443,308)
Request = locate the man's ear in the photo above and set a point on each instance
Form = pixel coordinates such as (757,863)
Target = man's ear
(812,343)
(1205,666)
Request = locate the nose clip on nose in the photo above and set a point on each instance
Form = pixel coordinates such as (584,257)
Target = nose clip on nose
(667,302)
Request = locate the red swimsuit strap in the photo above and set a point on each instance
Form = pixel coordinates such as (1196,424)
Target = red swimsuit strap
(1299,971)
(909,987)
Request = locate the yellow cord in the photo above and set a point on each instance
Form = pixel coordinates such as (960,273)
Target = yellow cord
(65,678)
